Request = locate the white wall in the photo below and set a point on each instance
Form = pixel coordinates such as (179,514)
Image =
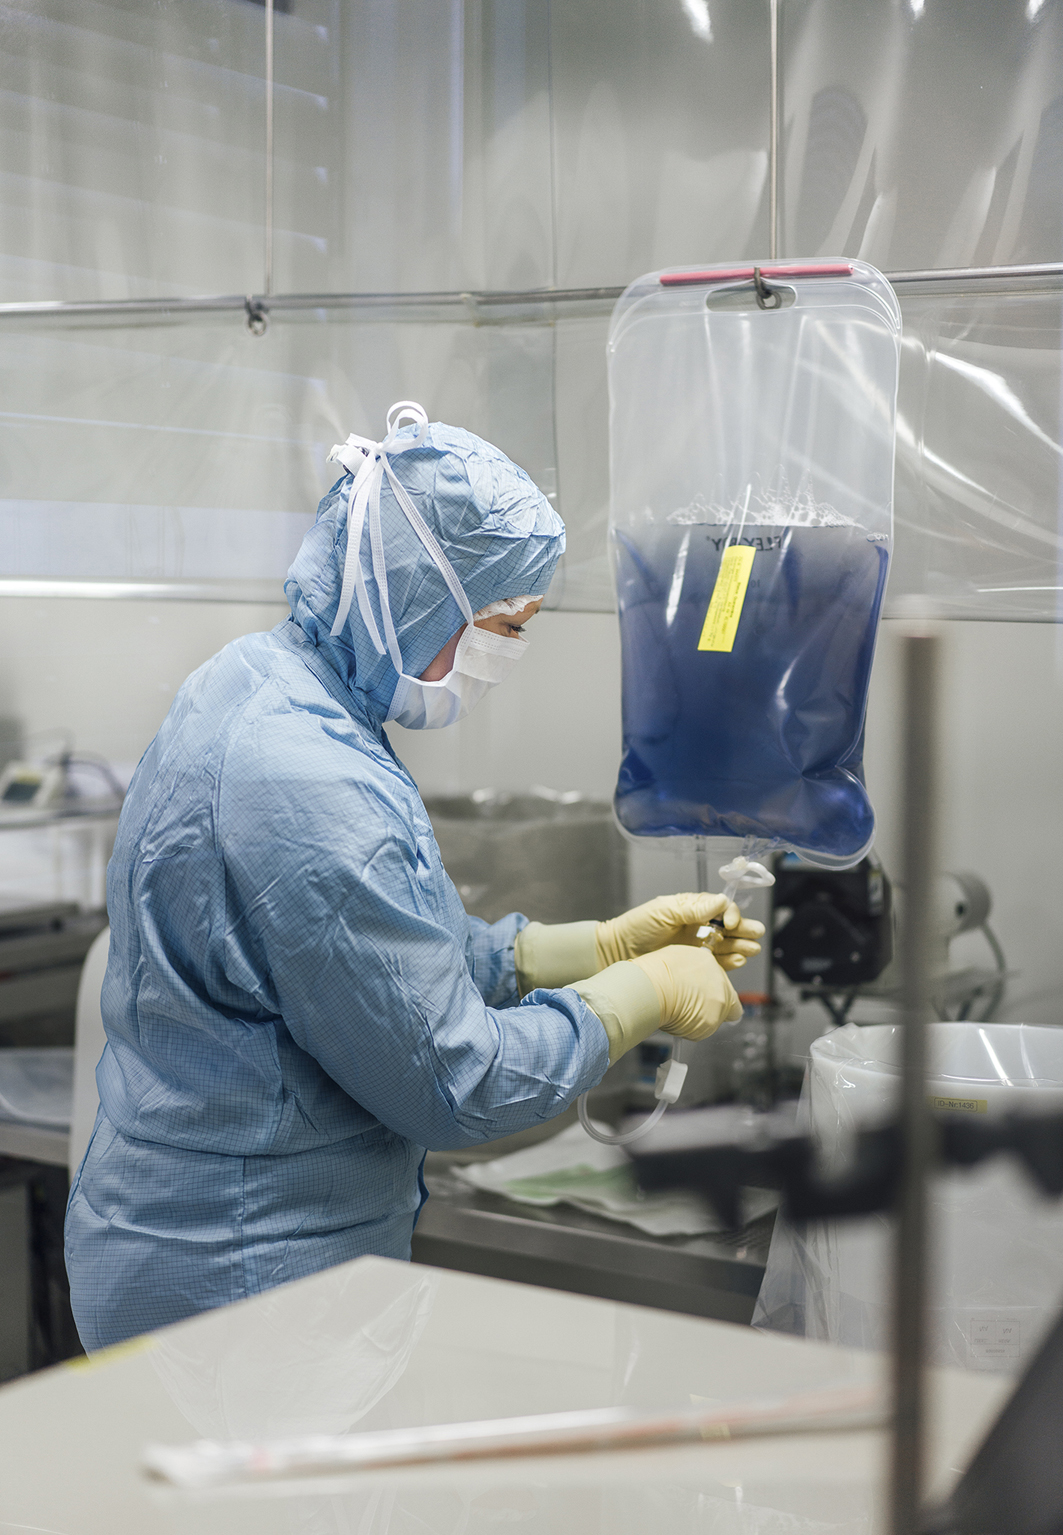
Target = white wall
(108,672)
(1003,791)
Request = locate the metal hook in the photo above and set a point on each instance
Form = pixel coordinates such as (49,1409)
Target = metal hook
(767,298)
(258,316)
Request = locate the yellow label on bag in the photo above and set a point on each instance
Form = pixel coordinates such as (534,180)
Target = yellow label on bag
(728,595)
(961,1105)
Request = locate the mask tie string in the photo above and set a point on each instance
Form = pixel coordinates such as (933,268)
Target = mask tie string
(368,462)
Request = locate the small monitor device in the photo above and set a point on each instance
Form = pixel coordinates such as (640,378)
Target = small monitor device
(27,786)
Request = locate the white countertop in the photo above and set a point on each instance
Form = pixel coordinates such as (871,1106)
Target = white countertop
(378,1344)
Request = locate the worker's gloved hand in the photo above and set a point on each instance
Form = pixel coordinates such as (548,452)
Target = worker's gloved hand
(695,994)
(680,989)
(675,919)
(556,954)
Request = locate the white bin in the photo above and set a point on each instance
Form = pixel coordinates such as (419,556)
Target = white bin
(997,1242)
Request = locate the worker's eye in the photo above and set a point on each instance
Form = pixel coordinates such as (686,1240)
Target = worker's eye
(516,631)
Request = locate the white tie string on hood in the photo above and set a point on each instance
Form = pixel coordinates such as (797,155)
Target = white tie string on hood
(482,658)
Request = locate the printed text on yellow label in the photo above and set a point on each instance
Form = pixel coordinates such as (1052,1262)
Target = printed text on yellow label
(728,595)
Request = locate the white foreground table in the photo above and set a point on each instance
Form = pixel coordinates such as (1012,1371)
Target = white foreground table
(379,1344)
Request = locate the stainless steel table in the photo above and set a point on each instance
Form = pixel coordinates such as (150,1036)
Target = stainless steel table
(565,1249)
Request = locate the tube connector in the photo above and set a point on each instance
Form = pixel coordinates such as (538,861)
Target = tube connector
(671,1075)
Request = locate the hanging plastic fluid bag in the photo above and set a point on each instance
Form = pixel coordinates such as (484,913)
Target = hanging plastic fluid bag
(751,432)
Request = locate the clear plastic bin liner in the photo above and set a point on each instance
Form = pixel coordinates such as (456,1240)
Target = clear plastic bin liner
(751,523)
(37,1087)
(997,1242)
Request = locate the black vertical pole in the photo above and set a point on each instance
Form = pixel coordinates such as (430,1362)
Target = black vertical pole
(921,667)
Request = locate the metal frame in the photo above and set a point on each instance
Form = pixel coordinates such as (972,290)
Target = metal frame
(487,306)
(477,307)
(921,661)
(773,133)
(267,264)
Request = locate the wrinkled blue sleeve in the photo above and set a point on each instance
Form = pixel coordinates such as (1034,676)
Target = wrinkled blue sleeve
(341,920)
(494,968)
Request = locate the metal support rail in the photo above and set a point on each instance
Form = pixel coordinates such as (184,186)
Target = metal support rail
(921,660)
(485,306)
(773,132)
(267,263)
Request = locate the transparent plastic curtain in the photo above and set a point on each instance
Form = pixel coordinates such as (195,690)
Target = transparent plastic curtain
(132,142)
(978,508)
(132,146)
(465,144)
(194,454)
(501,145)
(921,137)
(182,452)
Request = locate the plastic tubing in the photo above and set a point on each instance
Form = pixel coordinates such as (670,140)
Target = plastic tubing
(627,1136)
(741,874)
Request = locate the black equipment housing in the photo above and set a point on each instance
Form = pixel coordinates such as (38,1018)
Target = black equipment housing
(840,933)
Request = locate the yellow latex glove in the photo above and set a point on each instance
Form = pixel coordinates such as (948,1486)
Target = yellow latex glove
(555,954)
(681,989)
(675,919)
(696,996)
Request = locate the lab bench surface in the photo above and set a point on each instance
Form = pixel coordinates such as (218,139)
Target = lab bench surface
(378,1344)
(561,1248)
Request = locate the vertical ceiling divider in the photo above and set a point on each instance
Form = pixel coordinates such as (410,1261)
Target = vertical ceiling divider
(773,132)
(268,231)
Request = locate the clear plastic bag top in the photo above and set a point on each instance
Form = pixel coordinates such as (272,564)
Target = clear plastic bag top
(752,438)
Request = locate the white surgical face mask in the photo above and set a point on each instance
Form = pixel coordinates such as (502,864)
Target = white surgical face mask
(481,661)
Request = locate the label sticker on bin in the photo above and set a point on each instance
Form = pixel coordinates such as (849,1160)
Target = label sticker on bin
(961,1105)
(728,595)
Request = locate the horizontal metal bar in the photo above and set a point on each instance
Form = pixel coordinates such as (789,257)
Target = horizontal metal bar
(370,302)
(253,589)
(471,305)
(1048,273)
(79,309)
(532,301)
(548,296)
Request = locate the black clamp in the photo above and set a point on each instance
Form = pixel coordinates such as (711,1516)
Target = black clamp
(770,1153)
(257,315)
(767,298)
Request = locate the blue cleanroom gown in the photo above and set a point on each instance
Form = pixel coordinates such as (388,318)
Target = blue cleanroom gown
(296,1002)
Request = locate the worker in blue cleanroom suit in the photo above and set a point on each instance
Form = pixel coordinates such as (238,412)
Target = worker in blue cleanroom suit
(296,1003)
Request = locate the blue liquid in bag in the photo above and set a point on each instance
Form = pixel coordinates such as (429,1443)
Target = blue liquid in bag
(765,740)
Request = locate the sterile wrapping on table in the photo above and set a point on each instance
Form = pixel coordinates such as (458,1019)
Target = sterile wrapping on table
(997,1241)
(572,1169)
